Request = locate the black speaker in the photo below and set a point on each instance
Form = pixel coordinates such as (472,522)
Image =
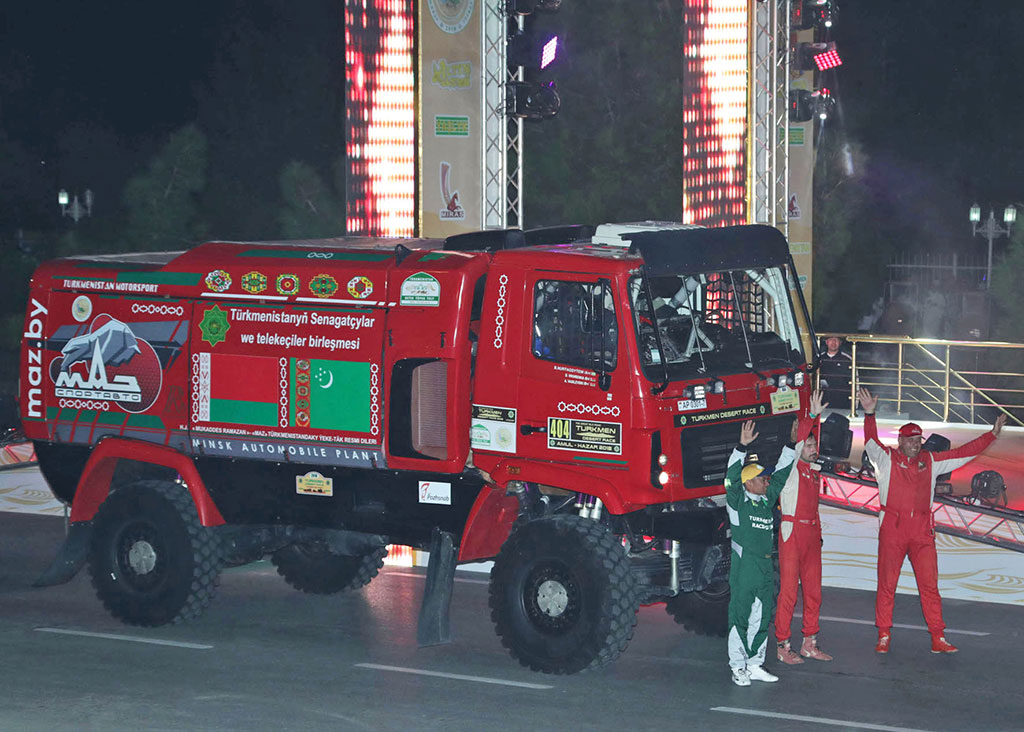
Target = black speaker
(836,437)
(937,443)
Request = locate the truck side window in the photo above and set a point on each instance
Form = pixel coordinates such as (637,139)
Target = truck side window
(571,322)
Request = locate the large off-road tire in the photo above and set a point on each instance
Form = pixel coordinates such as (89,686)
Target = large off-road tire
(151,560)
(562,596)
(705,612)
(312,567)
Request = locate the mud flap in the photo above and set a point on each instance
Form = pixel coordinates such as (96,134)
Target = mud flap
(70,558)
(434,626)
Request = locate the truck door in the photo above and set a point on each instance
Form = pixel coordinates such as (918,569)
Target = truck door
(574,394)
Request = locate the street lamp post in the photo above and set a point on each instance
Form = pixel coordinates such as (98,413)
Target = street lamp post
(991,230)
(75,210)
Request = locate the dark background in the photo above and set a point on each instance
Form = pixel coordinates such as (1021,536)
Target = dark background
(247,99)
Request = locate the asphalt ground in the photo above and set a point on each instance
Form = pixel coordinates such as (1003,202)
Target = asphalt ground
(265,657)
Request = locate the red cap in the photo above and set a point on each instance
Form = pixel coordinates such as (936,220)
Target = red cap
(910,430)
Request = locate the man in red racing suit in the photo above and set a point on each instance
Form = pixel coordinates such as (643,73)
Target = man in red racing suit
(906,488)
(800,543)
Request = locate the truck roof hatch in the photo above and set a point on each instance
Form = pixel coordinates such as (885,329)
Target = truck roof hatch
(620,235)
(710,250)
(490,240)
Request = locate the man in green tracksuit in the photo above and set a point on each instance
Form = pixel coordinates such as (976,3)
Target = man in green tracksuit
(750,498)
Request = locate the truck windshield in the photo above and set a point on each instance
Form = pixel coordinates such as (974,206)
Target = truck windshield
(714,323)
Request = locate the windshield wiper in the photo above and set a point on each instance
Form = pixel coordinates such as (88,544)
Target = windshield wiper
(657,388)
(743,329)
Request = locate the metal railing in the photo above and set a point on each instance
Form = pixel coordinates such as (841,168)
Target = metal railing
(933,379)
(954,515)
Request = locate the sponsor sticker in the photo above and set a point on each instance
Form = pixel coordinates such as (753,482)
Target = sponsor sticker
(314,484)
(81,308)
(453,210)
(107,364)
(360,287)
(421,289)
(287,284)
(457,75)
(451,16)
(493,428)
(254,282)
(323,285)
(785,400)
(435,492)
(445,126)
(754,410)
(218,280)
(581,435)
(33,341)
(794,208)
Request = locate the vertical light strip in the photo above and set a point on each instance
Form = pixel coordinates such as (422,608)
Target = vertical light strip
(715,112)
(380,112)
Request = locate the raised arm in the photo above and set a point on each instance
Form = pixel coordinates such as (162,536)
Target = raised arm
(777,482)
(806,425)
(871,442)
(949,460)
(733,482)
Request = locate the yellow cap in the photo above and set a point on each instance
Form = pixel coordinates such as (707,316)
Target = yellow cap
(751,471)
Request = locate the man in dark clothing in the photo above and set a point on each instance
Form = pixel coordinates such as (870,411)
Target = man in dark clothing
(836,368)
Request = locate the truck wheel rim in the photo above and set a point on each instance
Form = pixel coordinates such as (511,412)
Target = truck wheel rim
(142,557)
(138,549)
(552,598)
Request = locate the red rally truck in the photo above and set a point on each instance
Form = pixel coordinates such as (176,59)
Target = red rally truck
(562,401)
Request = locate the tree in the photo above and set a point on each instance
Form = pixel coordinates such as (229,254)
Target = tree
(850,252)
(274,94)
(1007,294)
(311,209)
(162,203)
(614,151)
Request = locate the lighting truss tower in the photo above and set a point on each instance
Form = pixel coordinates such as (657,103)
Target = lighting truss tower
(769,121)
(503,133)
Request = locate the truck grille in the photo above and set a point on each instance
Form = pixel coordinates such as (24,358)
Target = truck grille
(706,449)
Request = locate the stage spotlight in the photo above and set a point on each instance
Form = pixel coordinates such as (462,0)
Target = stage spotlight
(989,488)
(531,100)
(526,50)
(828,60)
(527,7)
(816,56)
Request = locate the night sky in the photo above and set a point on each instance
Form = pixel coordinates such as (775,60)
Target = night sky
(127,66)
(929,89)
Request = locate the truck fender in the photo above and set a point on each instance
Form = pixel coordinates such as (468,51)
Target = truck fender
(94,485)
(489,524)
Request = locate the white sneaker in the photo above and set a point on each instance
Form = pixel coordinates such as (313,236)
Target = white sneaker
(740,677)
(756,673)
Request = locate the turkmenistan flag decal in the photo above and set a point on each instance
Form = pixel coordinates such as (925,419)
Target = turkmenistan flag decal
(330,395)
(241,389)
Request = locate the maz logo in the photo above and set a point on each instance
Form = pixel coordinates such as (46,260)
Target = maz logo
(108,363)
